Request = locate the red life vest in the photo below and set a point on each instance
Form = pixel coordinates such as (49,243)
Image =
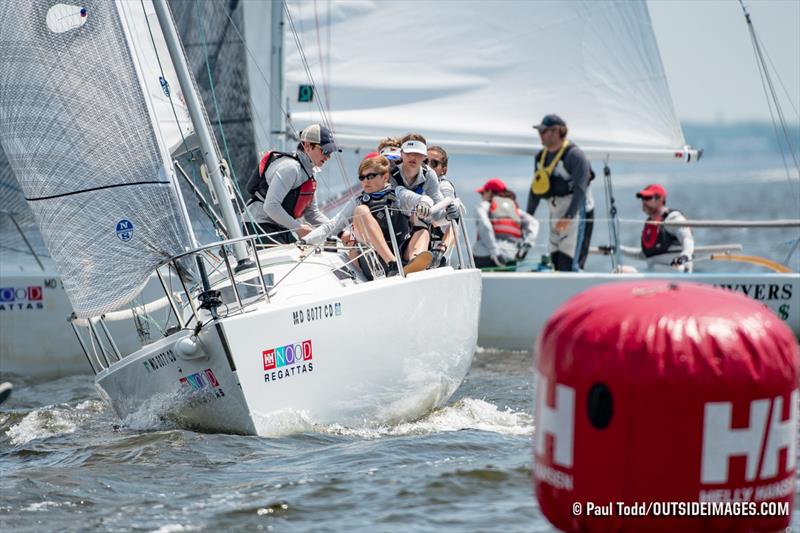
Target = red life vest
(296,200)
(505,218)
(655,239)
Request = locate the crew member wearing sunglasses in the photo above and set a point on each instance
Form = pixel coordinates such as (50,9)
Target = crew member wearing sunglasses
(661,246)
(370,227)
(442,238)
(283,189)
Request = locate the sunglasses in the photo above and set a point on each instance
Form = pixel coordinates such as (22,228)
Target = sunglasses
(325,152)
(370,176)
(434,163)
(647,198)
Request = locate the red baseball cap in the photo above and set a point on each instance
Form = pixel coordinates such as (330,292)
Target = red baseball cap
(371,155)
(493,185)
(652,190)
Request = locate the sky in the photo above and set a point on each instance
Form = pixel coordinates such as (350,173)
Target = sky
(708,56)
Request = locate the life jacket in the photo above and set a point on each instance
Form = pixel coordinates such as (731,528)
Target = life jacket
(398,181)
(296,200)
(401,223)
(506,219)
(656,240)
(553,180)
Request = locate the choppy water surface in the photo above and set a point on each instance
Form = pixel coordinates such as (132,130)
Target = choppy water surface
(67,466)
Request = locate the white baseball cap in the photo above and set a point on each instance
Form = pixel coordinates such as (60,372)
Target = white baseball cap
(414,147)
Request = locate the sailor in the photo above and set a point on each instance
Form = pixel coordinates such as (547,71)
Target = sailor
(505,233)
(561,177)
(282,192)
(389,147)
(370,226)
(412,173)
(661,246)
(442,237)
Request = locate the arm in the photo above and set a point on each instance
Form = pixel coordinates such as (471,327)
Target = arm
(313,213)
(332,226)
(431,186)
(632,251)
(447,189)
(530,228)
(285,177)
(683,233)
(484,229)
(578,167)
(533,203)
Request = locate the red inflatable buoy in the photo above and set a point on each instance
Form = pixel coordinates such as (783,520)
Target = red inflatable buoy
(665,407)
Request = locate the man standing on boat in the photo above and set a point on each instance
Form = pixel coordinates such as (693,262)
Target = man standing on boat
(561,177)
(286,186)
(662,246)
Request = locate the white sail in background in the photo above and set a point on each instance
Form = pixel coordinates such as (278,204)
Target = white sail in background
(476,75)
(79,133)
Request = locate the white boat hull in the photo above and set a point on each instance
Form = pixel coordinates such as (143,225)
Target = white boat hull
(373,353)
(516,305)
(36,341)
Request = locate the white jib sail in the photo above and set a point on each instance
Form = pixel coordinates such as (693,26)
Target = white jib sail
(81,138)
(475,76)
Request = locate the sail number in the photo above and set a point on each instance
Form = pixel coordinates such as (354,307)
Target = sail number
(317,312)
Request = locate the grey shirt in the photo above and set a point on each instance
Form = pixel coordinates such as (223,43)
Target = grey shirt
(429,180)
(282,176)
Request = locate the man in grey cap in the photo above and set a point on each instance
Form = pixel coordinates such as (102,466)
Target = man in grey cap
(561,177)
(282,192)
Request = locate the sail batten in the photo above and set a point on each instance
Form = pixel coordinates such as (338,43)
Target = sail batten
(87,152)
(486,73)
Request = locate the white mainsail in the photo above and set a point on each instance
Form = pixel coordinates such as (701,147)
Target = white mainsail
(479,76)
(83,139)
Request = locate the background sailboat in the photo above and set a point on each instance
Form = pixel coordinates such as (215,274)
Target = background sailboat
(479,92)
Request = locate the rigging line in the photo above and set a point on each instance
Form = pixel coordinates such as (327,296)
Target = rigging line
(250,53)
(778,75)
(200,27)
(762,67)
(164,77)
(239,201)
(307,69)
(308,74)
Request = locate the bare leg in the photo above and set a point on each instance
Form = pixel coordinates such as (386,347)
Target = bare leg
(418,244)
(369,232)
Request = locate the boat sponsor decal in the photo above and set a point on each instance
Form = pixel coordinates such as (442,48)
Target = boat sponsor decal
(159,361)
(318,312)
(125,230)
(289,360)
(765,292)
(21,298)
(203,386)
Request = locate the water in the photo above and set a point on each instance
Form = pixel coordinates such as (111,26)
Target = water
(68,466)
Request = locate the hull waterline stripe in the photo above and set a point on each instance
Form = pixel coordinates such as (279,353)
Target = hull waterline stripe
(157,182)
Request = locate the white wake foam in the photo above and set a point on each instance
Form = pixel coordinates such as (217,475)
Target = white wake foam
(52,421)
(467,413)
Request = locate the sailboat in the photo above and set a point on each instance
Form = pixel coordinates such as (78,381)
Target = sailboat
(478,82)
(258,334)
(32,296)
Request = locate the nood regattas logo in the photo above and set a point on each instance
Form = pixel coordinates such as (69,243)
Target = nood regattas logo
(289,360)
(21,298)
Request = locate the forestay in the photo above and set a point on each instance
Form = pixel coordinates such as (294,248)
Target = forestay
(475,75)
(78,129)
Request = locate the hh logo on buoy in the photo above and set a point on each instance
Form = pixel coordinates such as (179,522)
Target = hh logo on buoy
(125,230)
(760,443)
(558,421)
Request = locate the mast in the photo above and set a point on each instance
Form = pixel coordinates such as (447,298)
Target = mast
(276,117)
(201,128)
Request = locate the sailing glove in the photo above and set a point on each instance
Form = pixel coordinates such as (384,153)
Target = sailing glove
(452,212)
(424,207)
(680,260)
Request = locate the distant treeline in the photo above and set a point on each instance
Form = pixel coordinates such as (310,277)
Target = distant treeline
(742,138)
